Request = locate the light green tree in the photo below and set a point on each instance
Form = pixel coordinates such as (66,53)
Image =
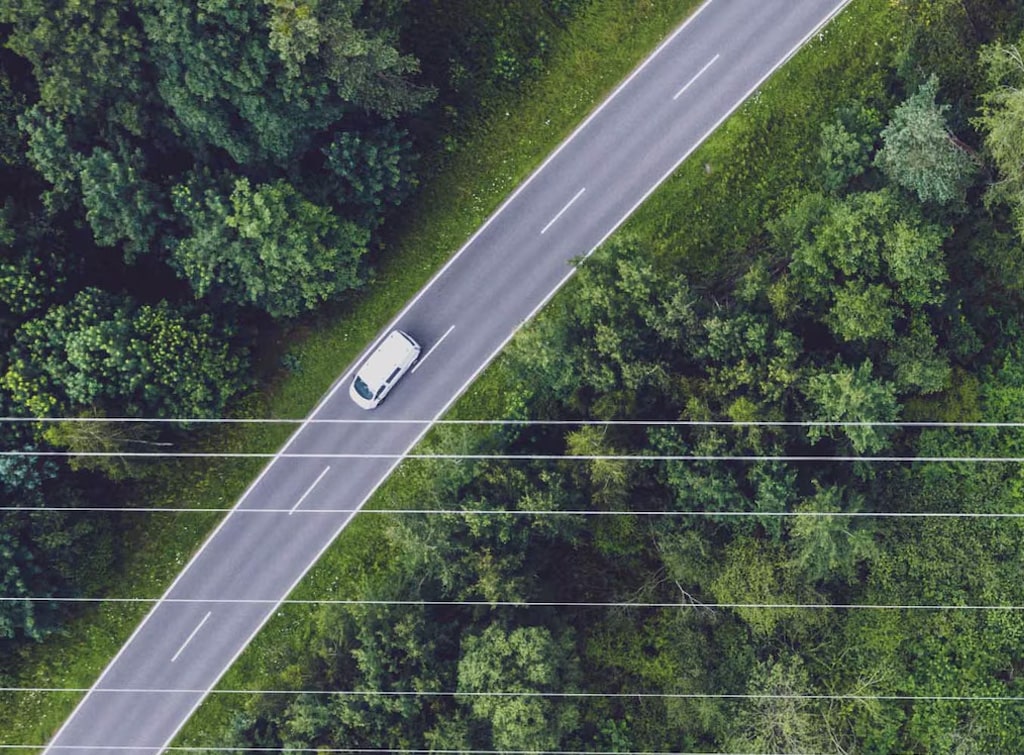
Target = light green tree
(1002,122)
(779,718)
(853,394)
(525,659)
(921,153)
(829,548)
(101,350)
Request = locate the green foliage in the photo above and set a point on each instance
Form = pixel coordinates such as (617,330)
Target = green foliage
(526,659)
(921,154)
(43,553)
(853,394)
(257,80)
(830,548)
(369,172)
(1002,120)
(870,266)
(121,206)
(618,335)
(83,54)
(846,146)
(843,305)
(33,265)
(266,247)
(102,351)
(779,720)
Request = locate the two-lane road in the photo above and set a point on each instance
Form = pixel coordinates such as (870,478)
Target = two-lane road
(463,318)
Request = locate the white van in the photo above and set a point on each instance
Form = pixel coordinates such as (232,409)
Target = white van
(382,369)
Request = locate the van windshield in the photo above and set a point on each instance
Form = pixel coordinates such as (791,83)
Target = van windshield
(363,389)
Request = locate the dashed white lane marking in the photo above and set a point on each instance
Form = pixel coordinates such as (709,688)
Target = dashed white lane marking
(697,76)
(431,350)
(309,490)
(190,637)
(562,211)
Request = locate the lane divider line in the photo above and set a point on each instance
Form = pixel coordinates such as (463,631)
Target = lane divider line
(309,490)
(190,637)
(562,211)
(431,350)
(699,73)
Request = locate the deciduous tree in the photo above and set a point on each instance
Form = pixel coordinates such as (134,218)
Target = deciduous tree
(525,659)
(266,246)
(104,351)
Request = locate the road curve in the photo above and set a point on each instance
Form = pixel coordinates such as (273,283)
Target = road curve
(498,280)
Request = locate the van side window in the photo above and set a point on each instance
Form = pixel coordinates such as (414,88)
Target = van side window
(393,375)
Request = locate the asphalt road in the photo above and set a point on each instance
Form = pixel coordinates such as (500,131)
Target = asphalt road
(468,312)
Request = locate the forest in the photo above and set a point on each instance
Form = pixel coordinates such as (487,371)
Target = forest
(836,272)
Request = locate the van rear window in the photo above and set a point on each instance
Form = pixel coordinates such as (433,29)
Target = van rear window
(363,389)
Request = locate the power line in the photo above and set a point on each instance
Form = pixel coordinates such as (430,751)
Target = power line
(541,512)
(357,750)
(531,422)
(691,603)
(524,457)
(533,694)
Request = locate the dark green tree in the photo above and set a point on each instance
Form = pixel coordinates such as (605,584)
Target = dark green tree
(122,206)
(846,146)
(259,80)
(369,172)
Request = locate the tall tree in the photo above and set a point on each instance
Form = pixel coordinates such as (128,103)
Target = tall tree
(259,79)
(266,247)
(921,153)
(853,394)
(1002,121)
(525,659)
(108,352)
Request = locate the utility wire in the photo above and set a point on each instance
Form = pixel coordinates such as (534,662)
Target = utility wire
(357,750)
(690,603)
(532,422)
(542,512)
(548,695)
(521,457)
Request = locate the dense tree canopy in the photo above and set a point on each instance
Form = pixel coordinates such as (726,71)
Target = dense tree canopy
(178,176)
(102,351)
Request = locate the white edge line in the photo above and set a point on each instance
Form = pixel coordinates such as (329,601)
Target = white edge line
(563,210)
(309,490)
(190,637)
(431,350)
(699,73)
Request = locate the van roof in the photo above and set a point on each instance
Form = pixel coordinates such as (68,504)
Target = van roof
(393,350)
